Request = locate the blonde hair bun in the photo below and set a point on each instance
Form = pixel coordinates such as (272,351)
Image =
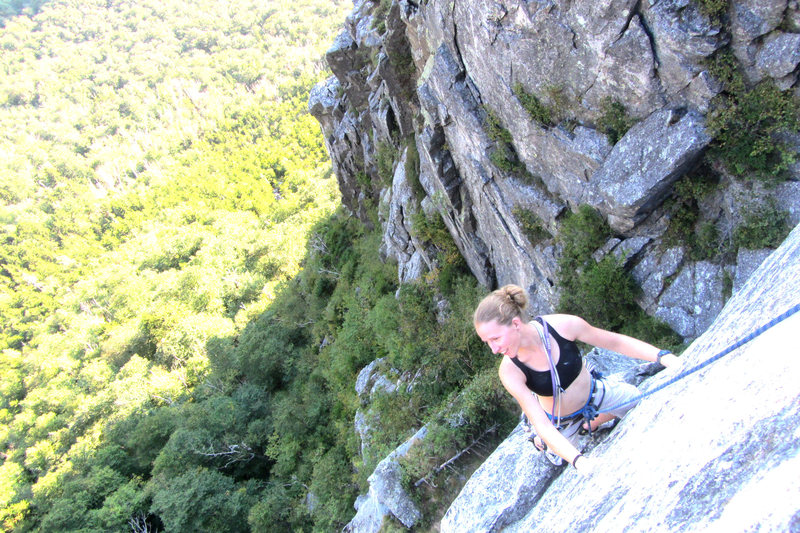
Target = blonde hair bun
(502,305)
(516,295)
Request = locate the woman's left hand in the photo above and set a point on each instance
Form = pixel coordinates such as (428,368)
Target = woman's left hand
(585,465)
(669,359)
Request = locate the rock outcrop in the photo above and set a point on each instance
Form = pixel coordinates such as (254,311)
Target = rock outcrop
(386,496)
(430,76)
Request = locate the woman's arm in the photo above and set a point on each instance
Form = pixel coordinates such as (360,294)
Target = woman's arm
(577,329)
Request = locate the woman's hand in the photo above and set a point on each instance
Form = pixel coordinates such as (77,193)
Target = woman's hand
(669,359)
(584,465)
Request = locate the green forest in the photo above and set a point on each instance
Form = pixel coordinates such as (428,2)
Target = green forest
(185,304)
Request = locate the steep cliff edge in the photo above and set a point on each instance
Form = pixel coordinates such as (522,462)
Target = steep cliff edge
(496,116)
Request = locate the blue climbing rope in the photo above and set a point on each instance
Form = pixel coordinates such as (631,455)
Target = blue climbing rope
(780,318)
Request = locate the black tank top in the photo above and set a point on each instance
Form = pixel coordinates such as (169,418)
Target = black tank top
(568,367)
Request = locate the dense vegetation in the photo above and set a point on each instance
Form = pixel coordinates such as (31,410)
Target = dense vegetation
(603,291)
(162,177)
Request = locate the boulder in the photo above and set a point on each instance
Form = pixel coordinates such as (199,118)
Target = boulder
(749,21)
(386,495)
(684,37)
(779,55)
(639,171)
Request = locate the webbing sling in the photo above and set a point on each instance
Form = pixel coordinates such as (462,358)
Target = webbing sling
(553,373)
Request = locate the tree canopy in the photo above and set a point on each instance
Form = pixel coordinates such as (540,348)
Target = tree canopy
(160,177)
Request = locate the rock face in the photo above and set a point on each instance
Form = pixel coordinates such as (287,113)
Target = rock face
(429,77)
(386,496)
(428,112)
(636,177)
(714,451)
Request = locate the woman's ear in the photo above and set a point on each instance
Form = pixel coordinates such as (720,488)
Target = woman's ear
(516,322)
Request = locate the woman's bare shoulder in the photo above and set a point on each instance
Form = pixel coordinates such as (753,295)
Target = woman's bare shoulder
(568,326)
(509,373)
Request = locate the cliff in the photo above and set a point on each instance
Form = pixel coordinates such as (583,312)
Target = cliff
(433,77)
(498,116)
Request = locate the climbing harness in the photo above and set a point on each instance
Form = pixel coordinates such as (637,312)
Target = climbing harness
(591,412)
(589,409)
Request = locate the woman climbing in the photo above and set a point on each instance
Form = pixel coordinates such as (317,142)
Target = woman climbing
(543,370)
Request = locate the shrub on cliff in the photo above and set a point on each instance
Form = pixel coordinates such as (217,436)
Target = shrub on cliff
(602,292)
(746,121)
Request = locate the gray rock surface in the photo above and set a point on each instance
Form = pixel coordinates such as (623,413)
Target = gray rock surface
(652,273)
(747,262)
(371,380)
(788,198)
(693,299)
(399,242)
(440,68)
(779,55)
(386,495)
(714,451)
(638,173)
(684,38)
(507,484)
(516,475)
(750,20)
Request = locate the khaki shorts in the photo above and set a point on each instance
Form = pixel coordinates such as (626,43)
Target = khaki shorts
(608,393)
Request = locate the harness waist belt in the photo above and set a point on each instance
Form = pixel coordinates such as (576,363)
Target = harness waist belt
(581,413)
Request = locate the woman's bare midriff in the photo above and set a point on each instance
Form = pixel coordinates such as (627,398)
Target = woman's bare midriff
(573,398)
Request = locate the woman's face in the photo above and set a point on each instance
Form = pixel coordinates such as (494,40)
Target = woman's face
(500,339)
